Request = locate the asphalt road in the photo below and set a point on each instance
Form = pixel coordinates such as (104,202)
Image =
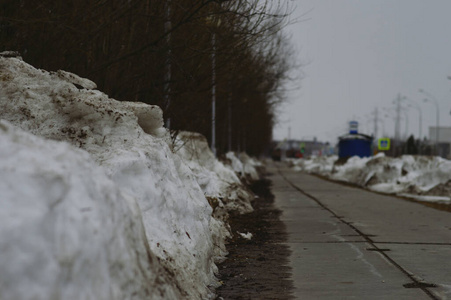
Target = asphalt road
(348,243)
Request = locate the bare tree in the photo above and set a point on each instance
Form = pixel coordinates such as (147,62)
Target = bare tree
(123,46)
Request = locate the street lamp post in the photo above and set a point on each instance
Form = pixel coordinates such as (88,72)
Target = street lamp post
(398,120)
(387,115)
(414,104)
(214,23)
(420,119)
(420,127)
(406,133)
(420,116)
(433,100)
(167,65)
(397,137)
(213,94)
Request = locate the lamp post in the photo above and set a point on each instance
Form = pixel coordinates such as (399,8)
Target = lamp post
(449,78)
(386,116)
(213,93)
(229,118)
(397,137)
(433,100)
(420,115)
(388,113)
(420,121)
(214,23)
(420,118)
(406,133)
(167,65)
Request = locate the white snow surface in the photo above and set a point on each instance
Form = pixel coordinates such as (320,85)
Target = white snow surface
(66,229)
(216,180)
(96,201)
(243,165)
(408,175)
(250,166)
(247,236)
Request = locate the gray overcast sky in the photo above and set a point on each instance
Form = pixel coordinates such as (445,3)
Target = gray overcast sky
(358,55)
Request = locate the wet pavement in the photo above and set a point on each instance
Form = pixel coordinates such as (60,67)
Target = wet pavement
(348,243)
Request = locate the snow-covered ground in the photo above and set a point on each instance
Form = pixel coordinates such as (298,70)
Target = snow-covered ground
(97,202)
(420,177)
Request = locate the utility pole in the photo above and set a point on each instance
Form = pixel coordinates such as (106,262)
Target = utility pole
(213,93)
(229,129)
(398,120)
(437,118)
(167,65)
(420,117)
(289,132)
(406,134)
(376,119)
(214,23)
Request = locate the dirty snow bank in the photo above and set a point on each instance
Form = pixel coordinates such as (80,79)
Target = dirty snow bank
(421,177)
(317,165)
(124,217)
(66,230)
(218,182)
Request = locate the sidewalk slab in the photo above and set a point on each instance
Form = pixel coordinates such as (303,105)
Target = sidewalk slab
(334,230)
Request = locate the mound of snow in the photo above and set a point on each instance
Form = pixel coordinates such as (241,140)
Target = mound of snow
(218,182)
(66,229)
(407,175)
(316,164)
(131,153)
(245,166)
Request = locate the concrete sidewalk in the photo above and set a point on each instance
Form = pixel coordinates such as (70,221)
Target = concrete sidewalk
(348,243)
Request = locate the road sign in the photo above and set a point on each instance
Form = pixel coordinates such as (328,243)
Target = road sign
(383,144)
(302,147)
(353,127)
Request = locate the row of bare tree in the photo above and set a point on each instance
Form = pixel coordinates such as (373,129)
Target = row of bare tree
(172,53)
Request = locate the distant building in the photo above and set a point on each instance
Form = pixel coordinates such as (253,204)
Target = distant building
(354,143)
(300,148)
(444,140)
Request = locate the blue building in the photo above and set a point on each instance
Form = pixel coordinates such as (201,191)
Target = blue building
(354,143)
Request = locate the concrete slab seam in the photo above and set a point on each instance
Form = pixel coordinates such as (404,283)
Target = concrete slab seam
(415,282)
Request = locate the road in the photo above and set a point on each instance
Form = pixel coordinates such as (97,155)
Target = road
(348,243)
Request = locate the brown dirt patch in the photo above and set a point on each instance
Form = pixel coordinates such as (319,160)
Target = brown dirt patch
(257,268)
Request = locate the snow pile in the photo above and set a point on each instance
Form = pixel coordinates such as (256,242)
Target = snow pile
(103,213)
(66,230)
(219,183)
(250,165)
(407,175)
(247,236)
(316,164)
(244,165)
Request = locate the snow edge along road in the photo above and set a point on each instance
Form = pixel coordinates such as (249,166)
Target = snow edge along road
(50,125)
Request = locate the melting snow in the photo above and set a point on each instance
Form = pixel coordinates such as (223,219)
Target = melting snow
(247,236)
(428,178)
(97,203)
